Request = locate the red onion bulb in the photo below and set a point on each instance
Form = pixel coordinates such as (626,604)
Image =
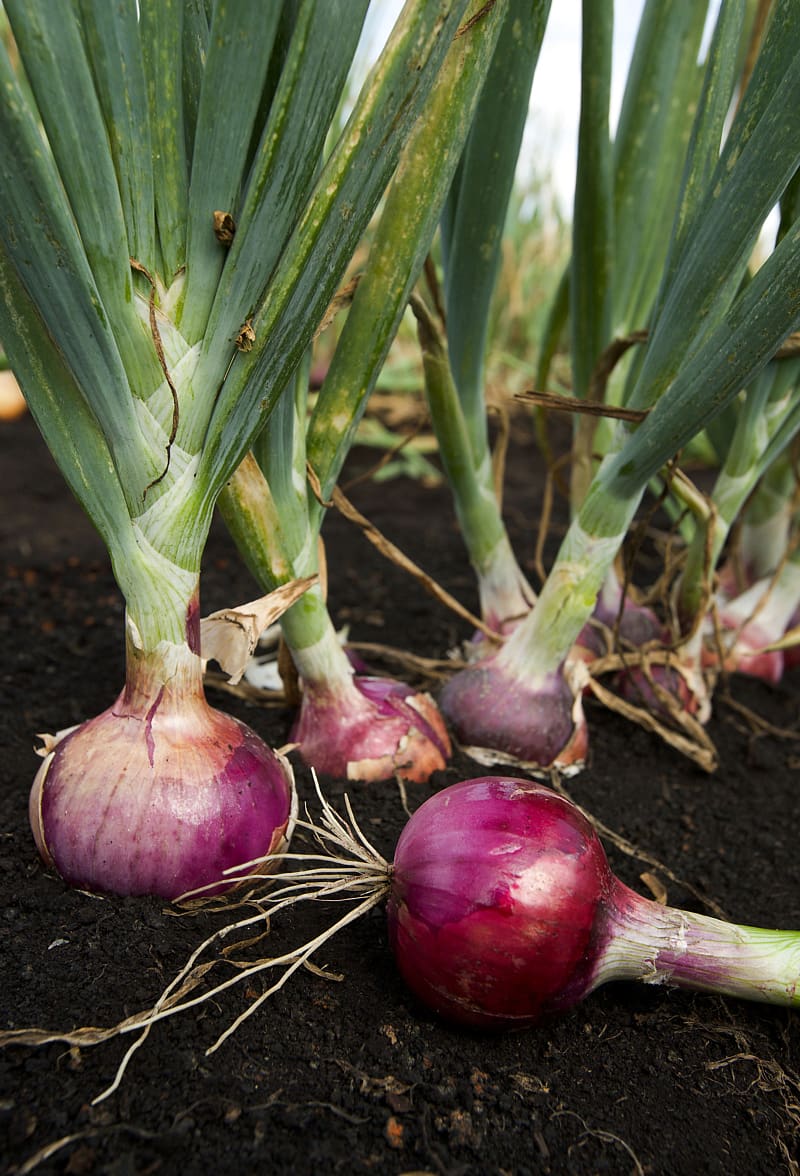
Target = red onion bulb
(371,728)
(503,909)
(159,795)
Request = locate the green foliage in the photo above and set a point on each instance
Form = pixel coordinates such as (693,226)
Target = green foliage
(713,325)
(476,212)
(135,130)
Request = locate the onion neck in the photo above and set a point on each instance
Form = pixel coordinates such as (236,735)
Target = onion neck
(505,593)
(539,645)
(662,945)
(169,676)
(767,524)
(157,566)
(319,658)
(458,414)
(163,662)
(763,542)
(769,604)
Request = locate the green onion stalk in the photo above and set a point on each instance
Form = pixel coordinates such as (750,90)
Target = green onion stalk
(350,722)
(168,245)
(767,422)
(651,137)
(472,228)
(504,592)
(625,193)
(710,335)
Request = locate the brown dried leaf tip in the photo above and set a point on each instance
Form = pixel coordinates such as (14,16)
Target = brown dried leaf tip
(224,227)
(246,337)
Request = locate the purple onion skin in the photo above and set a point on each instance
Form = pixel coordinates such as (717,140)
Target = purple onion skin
(159,801)
(747,656)
(534,725)
(372,730)
(503,910)
(638,625)
(497,901)
(633,685)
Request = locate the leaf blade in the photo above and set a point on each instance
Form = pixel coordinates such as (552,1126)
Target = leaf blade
(162,39)
(320,51)
(56,404)
(56,64)
(41,242)
(226,115)
(112,34)
(473,223)
(345,194)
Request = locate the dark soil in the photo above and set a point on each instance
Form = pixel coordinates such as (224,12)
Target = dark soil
(355,1076)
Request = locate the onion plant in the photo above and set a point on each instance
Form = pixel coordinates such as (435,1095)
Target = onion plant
(645,185)
(351,723)
(767,420)
(168,246)
(756,488)
(625,199)
(712,328)
(760,572)
(454,362)
(667,46)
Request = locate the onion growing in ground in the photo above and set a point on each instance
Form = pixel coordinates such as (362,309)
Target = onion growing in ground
(152,348)
(161,793)
(501,713)
(370,728)
(754,622)
(349,724)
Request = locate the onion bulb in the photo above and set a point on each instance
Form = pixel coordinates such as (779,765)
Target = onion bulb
(370,728)
(160,794)
(503,717)
(503,909)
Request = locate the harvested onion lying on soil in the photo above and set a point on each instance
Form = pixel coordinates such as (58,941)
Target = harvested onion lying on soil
(502,909)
